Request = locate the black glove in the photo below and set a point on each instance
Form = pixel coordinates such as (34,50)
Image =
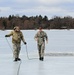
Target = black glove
(6,35)
(25,43)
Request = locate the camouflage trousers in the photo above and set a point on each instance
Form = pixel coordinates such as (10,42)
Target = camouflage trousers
(41,49)
(16,50)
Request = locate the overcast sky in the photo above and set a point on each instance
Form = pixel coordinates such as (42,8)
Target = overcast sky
(29,8)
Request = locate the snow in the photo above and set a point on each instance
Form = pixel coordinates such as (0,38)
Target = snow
(60,41)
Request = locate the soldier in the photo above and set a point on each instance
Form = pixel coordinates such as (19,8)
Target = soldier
(17,36)
(40,38)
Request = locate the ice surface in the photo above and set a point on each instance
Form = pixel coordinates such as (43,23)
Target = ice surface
(59,41)
(50,66)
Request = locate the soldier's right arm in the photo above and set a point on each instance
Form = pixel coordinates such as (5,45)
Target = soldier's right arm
(10,34)
(36,37)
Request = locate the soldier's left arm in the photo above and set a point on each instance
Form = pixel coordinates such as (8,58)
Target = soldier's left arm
(22,37)
(46,37)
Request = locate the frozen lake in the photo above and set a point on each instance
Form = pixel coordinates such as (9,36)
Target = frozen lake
(60,41)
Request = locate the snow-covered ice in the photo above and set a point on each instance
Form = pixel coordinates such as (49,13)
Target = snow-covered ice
(50,66)
(59,41)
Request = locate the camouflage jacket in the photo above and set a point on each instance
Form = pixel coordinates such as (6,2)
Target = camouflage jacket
(16,37)
(41,36)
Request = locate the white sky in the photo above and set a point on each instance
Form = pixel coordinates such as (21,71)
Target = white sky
(29,8)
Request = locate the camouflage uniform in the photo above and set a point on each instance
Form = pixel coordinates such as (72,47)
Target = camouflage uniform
(16,40)
(41,36)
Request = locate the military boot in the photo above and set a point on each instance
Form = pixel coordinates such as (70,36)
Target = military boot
(15,59)
(18,59)
(42,58)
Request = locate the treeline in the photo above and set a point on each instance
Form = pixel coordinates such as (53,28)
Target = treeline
(35,22)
